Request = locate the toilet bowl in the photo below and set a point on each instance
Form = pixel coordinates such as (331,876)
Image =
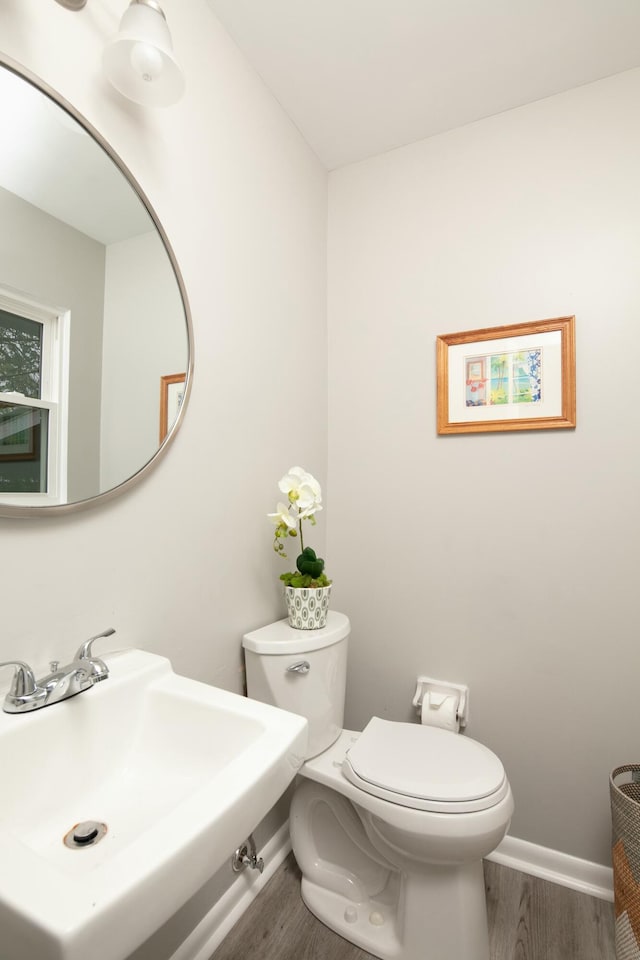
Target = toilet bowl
(388,826)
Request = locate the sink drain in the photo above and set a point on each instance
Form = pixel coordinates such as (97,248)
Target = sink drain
(85,834)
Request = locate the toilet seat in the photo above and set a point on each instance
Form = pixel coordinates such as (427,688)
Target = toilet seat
(425,768)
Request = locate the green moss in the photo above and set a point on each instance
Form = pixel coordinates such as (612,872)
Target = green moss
(305,580)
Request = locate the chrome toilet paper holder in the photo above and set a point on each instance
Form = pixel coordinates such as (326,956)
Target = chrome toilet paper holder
(438,692)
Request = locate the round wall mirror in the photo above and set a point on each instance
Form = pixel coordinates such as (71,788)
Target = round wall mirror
(95,332)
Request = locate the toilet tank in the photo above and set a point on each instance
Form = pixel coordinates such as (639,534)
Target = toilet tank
(303,671)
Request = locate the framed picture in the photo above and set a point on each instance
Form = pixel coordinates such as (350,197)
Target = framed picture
(19,433)
(518,377)
(171,396)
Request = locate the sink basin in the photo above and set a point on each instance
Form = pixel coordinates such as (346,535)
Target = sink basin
(179,772)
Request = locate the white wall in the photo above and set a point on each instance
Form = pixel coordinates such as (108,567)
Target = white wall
(145,338)
(509,562)
(183,563)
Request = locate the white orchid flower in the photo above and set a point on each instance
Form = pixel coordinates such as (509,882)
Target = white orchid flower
(282,517)
(285,523)
(309,512)
(303,490)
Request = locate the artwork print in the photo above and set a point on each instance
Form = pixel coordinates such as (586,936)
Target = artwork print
(518,376)
(504,378)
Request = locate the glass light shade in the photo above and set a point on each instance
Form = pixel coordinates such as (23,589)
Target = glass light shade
(139,61)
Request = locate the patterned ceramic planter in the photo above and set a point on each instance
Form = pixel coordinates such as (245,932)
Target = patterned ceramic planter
(307,608)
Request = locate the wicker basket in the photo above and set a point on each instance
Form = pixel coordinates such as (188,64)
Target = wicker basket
(624,788)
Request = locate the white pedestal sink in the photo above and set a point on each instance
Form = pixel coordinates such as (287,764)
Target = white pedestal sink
(179,772)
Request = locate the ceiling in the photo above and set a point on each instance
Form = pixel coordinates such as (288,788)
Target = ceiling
(359,77)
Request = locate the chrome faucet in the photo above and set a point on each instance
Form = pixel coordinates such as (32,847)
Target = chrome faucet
(26,693)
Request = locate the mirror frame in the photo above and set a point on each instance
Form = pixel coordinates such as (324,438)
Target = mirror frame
(11,510)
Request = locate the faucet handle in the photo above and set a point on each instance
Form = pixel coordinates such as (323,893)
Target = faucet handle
(84,650)
(24,681)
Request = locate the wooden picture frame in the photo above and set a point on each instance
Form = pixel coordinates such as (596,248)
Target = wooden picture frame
(171,397)
(516,377)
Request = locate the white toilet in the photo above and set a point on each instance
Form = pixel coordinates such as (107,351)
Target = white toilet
(388,826)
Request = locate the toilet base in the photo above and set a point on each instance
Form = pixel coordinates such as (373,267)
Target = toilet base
(353,920)
(436,914)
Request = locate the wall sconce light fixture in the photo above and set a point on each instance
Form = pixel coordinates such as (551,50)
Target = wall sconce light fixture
(139,60)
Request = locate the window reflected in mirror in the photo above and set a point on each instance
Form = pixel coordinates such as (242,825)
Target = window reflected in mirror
(20,355)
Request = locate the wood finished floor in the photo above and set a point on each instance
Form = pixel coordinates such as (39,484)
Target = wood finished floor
(529,919)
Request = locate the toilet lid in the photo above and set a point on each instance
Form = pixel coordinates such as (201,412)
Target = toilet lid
(425,767)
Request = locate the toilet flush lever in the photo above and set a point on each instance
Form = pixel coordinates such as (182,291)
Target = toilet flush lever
(302,666)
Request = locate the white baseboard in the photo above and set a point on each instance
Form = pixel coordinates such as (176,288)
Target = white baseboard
(582,875)
(225,913)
